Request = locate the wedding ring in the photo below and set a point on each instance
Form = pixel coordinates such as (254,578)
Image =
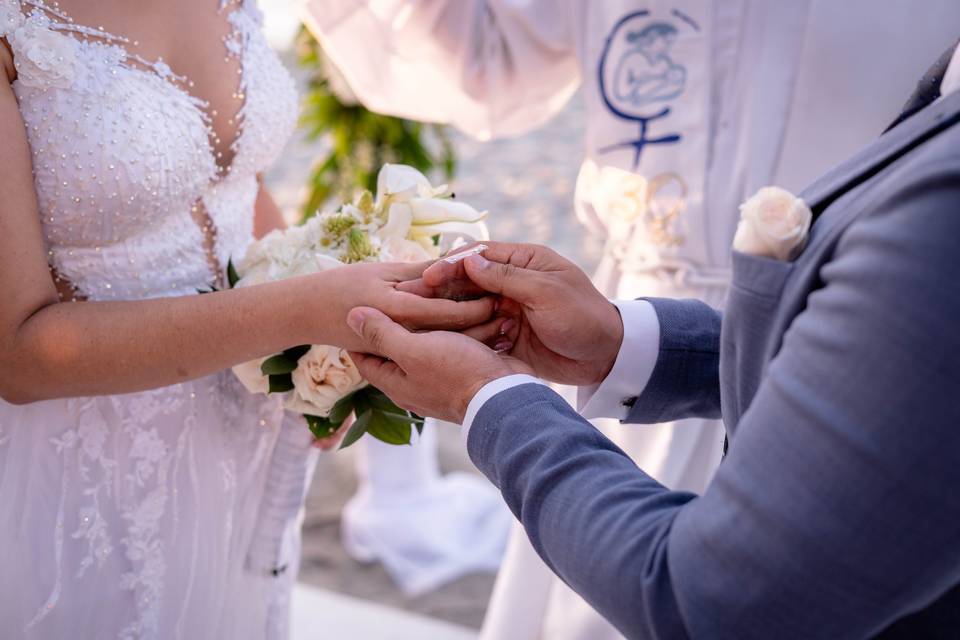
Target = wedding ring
(463,255)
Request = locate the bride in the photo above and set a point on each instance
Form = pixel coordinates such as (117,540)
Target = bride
(132,466)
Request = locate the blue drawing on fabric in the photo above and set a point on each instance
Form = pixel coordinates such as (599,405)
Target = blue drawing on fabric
(637,72)
(646,73)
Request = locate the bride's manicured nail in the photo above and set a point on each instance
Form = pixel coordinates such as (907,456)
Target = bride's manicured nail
(503,345)
(507,326)
(478,262)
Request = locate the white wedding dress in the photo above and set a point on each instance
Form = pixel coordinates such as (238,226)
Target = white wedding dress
(133,516)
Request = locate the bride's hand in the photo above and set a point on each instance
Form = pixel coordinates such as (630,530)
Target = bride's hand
(332,441)
(396,290)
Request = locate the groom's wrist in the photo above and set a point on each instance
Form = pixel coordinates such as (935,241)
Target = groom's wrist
(632,367)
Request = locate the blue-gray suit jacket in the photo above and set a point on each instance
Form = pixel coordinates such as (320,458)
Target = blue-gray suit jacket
(836,513)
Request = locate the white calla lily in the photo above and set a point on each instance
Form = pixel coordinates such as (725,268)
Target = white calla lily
(398,182)
(403,250)
(399,220)
(473,230)
(325,262)
(435,210)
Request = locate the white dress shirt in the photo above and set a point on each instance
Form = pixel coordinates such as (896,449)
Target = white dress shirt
(622,386)
(951,80)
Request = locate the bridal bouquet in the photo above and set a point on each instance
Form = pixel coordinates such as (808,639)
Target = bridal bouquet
(408,220)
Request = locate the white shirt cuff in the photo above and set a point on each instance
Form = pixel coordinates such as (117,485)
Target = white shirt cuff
(487,392)
(634,365)
(951,79)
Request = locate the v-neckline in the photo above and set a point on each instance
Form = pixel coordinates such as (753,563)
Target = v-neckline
(160,69)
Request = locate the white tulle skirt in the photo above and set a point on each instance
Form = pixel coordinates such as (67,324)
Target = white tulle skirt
(134,516)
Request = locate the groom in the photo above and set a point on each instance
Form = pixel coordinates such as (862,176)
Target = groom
(836,513)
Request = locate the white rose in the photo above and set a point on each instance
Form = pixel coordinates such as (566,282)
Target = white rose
(323,376)
(401,250)
(43,57)
(281,248)
(304,263)
(774,223)
(251,377)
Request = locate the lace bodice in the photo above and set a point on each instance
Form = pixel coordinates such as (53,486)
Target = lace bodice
(123,157)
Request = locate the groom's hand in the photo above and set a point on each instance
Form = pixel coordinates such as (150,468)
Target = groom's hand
(433,374)
(558,322)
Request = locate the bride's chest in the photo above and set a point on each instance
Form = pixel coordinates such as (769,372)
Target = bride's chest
(118,147)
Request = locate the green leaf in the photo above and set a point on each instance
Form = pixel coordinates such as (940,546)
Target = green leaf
(379,399)
(403,417)
(278,365)
(341,409)
(381,402)
(295,353)
(357,429)
(361,401)
(389,430)
(232,277)
(436,240)
(321,427)
(280,383)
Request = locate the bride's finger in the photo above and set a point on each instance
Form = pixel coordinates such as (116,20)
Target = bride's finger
(499,334)
(333,441)
(416,312)
(456,290)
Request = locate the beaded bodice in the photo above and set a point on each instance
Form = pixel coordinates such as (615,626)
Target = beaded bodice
(133,201)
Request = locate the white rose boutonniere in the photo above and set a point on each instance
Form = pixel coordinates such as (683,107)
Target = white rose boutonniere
(774,223)
(43,57)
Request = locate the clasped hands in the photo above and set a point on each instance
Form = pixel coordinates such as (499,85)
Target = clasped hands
(549,321)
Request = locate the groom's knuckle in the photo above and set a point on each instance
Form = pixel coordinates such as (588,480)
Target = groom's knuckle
(375,337)
(507,272)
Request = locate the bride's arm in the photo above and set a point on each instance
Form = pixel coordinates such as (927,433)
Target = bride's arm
(51,349)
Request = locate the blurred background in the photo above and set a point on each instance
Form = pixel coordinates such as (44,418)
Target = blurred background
(527,186)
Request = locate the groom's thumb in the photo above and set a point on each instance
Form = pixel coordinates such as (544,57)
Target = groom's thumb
(380,335)
(504,279)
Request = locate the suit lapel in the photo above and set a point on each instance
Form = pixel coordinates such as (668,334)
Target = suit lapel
(885,150)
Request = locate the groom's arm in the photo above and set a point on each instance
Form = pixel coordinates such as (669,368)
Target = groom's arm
(833,515)
(668,366)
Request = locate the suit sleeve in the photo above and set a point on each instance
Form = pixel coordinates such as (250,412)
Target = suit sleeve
(685,382)
(490,67)
(835,512)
